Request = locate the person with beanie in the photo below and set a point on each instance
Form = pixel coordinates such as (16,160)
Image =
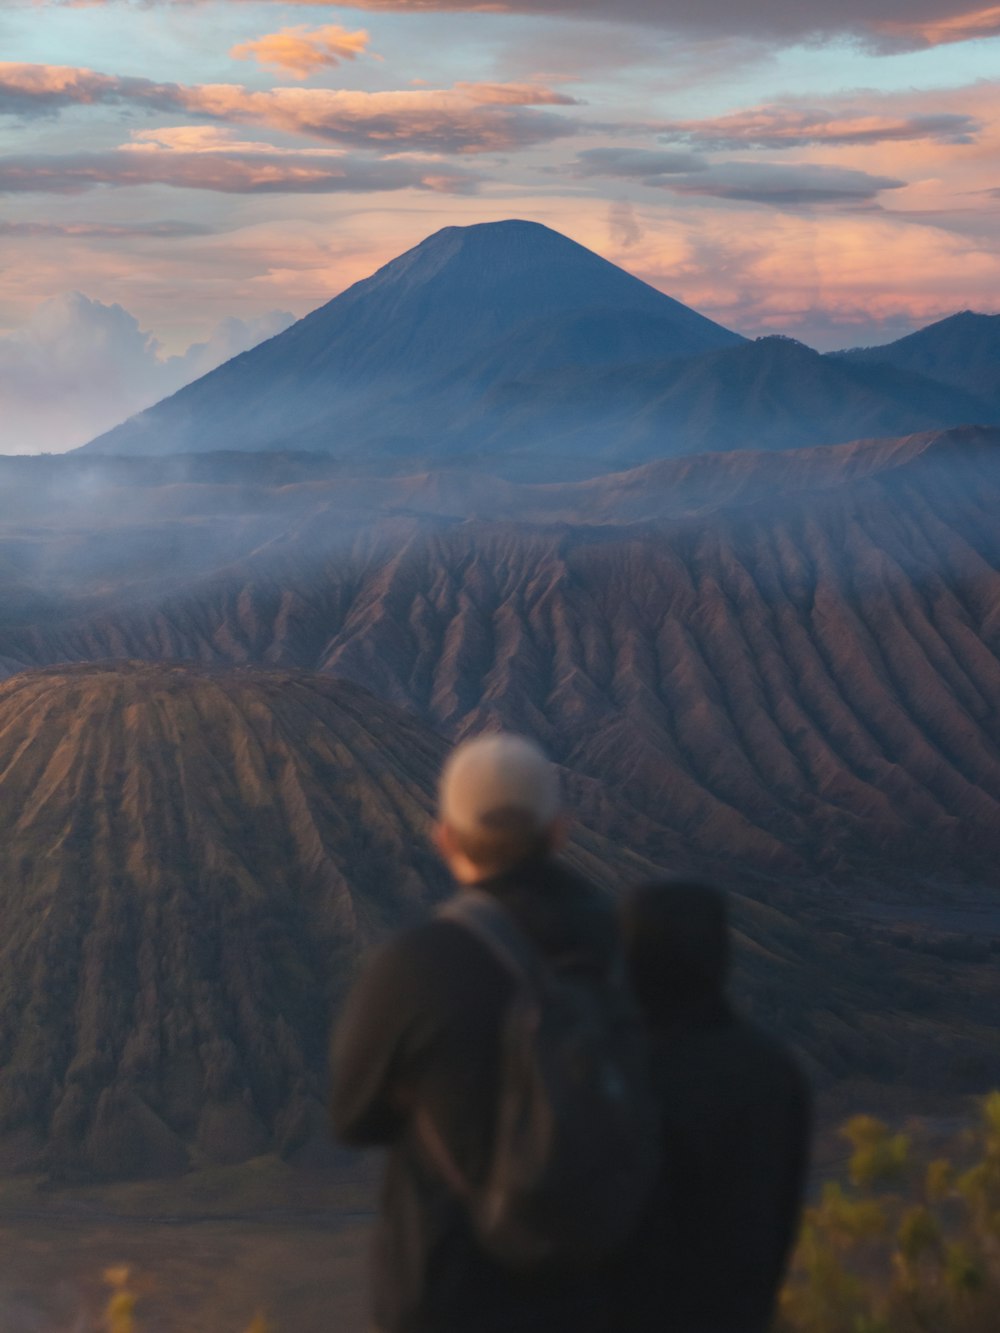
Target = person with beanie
(418,1042)
(711,1251)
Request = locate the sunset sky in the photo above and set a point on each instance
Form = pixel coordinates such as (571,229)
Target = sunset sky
(180,177)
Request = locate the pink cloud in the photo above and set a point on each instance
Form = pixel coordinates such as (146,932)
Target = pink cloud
(100,231)
(794,126)
(940,30)
(893,24)
(42,89)
(182,159)
(831,278)
(302,51)
(79,366)
(468,118)
(513,94)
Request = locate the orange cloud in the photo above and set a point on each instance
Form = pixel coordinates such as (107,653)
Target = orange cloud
(881,24)
(192,158)
(833,276)
(468,118)
(790,125)
(513,94)
(940,31)
(302,51)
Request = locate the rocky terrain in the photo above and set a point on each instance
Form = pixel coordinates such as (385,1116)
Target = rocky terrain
(786,661)
(189,864)
(776,671)
(192,861)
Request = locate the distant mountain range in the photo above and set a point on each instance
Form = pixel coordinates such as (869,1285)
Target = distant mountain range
(508,348)
(962,352)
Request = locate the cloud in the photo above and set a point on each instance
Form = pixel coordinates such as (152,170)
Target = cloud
(624,229)
(780,185)
(785,185)
(893,24)
(644,164)
(115,231)
(792,126)
(886,25)
(205,158)
(228,339)
(940,29)
(302,51)
(513,94)
(78,367)
(27,90)
(468,118)
(834,278)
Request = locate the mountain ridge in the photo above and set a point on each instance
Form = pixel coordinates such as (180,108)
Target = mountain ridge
(583,612)
(489,281)
(510,349)
(191,860)
(961,350)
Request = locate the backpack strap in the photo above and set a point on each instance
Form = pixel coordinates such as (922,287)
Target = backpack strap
(488,920)
(482,915)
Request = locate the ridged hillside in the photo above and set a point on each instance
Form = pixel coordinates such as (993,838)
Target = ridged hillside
(791,663)
(188,864)
(191,862)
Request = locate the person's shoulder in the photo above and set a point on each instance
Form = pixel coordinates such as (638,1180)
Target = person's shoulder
(431,958)
(424,944)
(582,893)
(773,1058)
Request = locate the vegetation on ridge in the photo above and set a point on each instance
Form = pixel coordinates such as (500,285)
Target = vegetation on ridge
(908,1243)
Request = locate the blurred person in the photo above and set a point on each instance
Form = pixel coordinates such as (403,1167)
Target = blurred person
(715,1239)
(460,1050)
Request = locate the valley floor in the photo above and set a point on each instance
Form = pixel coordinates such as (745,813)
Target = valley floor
(206,1253)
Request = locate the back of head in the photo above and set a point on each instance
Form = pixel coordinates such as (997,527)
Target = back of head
(499,801)
(676,938)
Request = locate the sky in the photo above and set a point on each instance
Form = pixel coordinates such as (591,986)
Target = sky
(181,178)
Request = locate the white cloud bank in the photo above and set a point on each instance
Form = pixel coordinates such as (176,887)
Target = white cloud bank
(79,367)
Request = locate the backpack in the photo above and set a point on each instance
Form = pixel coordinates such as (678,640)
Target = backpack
(576,1144)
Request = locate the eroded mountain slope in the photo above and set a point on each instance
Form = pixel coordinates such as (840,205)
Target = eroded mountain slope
(191,861)
(791,663)
(188,864)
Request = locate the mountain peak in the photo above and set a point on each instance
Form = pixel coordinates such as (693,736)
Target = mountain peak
(961,351)
(403,355)
(519,266)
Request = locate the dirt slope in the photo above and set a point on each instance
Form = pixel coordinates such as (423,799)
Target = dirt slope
(792,663)
(192,860)
(188,865)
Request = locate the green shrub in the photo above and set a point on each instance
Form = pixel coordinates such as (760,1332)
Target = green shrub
(903,1245)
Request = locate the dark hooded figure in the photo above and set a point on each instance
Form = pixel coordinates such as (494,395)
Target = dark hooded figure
(717,1236)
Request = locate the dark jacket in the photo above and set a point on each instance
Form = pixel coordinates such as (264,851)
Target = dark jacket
(717,1234)
(422,1028)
